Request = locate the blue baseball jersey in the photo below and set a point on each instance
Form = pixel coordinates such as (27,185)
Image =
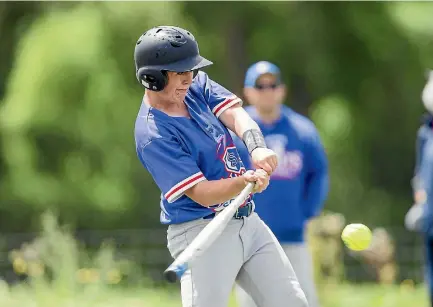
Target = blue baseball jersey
(424,171)
(299,185)
(180,152)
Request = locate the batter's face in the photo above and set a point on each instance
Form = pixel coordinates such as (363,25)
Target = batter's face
(267,95)
(177,86)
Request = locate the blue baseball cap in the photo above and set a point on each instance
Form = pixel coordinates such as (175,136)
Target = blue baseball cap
(258,69)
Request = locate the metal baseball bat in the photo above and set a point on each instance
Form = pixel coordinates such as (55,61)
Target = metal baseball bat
(206,237)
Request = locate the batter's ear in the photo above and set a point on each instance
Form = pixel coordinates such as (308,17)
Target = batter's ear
(152,79)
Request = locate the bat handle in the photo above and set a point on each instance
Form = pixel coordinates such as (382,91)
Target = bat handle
(174,272)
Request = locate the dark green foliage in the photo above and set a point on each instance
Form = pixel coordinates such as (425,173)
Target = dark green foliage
(67,116)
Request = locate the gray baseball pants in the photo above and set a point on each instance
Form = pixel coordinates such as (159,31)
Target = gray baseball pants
(302,263)
(246,253)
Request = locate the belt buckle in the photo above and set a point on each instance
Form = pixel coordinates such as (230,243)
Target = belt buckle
(238,217)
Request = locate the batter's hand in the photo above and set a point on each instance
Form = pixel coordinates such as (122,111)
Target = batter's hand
(265,159)
(260,177)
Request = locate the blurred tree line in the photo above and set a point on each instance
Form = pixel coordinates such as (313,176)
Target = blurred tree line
(69,99)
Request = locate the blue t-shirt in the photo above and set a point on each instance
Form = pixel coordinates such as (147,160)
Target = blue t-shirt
(179,152)
(299,186)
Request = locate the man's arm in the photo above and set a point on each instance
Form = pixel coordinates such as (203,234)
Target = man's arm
(317,178)
(209,193)
(177,174)
(419,146)
(415,217)
(242,150)
(228,108)
(238,120)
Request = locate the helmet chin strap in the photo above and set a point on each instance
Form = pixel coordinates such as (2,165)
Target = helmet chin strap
(427,94)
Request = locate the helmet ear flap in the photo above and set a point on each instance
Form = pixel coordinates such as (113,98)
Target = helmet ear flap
(152,79)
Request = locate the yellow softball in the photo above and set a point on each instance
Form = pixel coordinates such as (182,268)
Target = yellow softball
(356,237)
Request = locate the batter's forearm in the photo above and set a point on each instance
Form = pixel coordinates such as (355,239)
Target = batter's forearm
(243,122)
(209,193)
(238,120)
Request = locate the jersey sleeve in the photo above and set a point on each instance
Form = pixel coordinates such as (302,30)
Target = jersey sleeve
(217,97)
(317,176)
(172,168)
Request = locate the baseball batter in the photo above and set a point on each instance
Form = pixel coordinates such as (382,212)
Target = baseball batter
(299,185)
(182,139)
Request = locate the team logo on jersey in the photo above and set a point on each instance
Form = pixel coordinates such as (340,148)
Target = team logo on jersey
(228,154)
(293,163)
(232,162)
(290,163)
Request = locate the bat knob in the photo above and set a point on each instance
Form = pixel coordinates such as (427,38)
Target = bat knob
(175,272)
(170,276)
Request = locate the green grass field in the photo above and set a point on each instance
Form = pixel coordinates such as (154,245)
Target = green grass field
(101,296)
(71,286)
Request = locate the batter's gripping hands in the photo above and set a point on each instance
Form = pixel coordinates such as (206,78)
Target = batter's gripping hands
(260,177)
(265,159)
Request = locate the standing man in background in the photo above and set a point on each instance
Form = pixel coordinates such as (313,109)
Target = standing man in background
(299,185)
(420,216)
